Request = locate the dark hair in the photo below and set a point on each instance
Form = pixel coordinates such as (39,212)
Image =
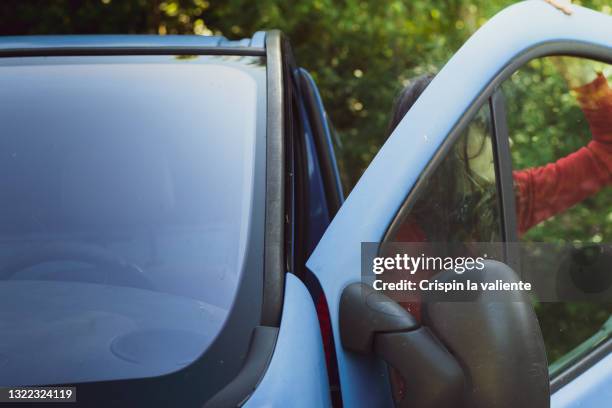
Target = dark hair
(443,200)
(406,98)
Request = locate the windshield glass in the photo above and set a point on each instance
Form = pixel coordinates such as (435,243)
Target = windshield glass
(127,189)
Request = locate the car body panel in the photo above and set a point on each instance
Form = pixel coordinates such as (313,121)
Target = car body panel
(593,388)
(375,200)
(328,142)
(296,376)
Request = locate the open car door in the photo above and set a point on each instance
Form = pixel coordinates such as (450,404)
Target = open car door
(476,354)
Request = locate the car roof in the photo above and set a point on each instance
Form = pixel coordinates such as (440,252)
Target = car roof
(153,43)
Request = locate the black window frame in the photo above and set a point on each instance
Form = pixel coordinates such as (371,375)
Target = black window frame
(503,177)
(320,131)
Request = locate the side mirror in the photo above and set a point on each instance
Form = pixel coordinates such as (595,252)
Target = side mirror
(372,323)
(485,352)
(496,339)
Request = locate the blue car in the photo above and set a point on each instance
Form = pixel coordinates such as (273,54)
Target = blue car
(174,230)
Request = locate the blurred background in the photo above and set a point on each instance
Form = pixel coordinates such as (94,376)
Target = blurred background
(361,53)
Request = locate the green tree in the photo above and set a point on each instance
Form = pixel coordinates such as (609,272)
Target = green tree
(360,52)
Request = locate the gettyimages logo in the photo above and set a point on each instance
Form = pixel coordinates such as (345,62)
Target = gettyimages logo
(414,264)
(420,271)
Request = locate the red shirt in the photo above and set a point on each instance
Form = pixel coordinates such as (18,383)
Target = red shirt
(548,190)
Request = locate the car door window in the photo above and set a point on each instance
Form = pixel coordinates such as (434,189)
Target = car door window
(559,114)
(458,201)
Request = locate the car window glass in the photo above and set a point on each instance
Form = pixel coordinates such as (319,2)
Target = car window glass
(126,211)
(559,113)
(458,202)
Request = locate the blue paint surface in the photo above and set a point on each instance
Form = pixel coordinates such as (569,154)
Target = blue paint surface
(591,389)
(296,376)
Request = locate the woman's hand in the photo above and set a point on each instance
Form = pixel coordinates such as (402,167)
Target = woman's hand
(589,85)
(578,71)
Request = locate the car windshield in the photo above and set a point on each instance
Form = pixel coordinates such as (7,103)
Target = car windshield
(126,197)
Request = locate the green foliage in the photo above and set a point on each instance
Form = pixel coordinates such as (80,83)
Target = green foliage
(566,325)
(361,53)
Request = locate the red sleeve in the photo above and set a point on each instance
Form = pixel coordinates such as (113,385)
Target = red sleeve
(548,190)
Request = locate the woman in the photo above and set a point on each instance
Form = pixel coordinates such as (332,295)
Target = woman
(458,206)
(545,191)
